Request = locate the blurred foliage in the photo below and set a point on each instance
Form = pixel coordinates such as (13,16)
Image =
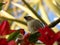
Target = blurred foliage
(15,10)
(1,1)
(14,35)
(1,4)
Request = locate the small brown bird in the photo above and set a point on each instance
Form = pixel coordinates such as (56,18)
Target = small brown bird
(33,24)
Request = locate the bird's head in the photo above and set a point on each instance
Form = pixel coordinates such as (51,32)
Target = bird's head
(28,18)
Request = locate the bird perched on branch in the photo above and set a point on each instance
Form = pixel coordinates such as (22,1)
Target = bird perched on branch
(33,24)
(38,29)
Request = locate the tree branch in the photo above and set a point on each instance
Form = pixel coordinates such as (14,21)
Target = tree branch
(54,23)
(36,14)
(13,20)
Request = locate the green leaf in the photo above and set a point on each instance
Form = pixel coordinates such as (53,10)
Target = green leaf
(1,4)
(14,35)
(34,37)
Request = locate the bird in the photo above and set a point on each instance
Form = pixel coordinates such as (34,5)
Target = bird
(33,24)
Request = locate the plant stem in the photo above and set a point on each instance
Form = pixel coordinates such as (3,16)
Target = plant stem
(54,23)
(14,20)
(36,14)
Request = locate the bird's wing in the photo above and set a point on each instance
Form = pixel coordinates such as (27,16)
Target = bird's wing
(37,24)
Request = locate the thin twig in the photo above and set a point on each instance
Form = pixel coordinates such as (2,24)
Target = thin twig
(36,14)
(13,20)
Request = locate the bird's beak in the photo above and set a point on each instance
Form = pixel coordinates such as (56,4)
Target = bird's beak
(25,17)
